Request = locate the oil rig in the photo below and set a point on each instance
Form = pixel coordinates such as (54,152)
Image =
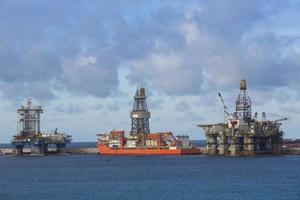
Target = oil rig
(29,132)
(240,134)
(140,140)
(139,119)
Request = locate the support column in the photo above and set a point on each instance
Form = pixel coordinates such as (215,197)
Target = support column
(19,149)
(211,146)
(223,145)
(45,148)
(249,145)
(36,149)
(60,147)
(276,145)
(39,148)
(256,145)
(234,147)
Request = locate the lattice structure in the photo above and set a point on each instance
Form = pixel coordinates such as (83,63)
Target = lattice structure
(243,103)
(29,122)
(140,115)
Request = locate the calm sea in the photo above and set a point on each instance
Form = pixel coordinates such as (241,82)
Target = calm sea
(78,177)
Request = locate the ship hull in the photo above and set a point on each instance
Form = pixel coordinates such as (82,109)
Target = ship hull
(104,150)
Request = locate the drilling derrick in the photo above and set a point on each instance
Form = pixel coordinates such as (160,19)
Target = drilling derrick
(29,122)
(243,103)
(140,114)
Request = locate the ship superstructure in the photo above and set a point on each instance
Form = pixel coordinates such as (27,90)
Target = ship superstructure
(140,141)
(29,132)
(241,134)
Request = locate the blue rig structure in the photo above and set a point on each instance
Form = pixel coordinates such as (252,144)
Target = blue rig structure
(29,132)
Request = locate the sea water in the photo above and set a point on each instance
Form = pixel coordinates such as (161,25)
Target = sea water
(78,177)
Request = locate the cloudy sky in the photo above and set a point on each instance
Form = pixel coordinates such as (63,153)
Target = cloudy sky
(82,61)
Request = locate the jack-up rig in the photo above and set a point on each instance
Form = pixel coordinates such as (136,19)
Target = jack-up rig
(29,132)
(140,141)
(241,134)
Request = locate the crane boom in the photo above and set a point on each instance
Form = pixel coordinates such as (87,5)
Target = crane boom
(279,120)
(224,106)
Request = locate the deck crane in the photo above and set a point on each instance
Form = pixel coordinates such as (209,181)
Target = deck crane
(279,120)
(227,114)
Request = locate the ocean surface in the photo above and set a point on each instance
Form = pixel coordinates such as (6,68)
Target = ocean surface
(80,177)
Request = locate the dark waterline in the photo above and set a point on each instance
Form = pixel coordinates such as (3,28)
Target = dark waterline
(72,145)
(199,143)
(80,177)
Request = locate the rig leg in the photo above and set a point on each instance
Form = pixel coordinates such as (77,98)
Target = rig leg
(211,146)
(45,148)
(256,145)
(39,148)
(19,149)
(276,145)
(234,147)
(249,146)
(60,147)
(223,145)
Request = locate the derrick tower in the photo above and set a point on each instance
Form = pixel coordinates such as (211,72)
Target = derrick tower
(140,114)
(243,103)
(29,122)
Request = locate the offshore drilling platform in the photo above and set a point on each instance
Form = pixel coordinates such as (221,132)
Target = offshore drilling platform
(140,141)
(29,132)
(241,134)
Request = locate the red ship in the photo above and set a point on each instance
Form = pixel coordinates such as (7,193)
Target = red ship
(115,143)
(140,141)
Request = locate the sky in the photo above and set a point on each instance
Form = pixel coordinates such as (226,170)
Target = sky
(83,60)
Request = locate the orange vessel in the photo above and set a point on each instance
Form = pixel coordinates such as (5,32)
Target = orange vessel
(104,150)
(116,143)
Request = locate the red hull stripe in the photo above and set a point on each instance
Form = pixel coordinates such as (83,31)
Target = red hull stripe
(104,150)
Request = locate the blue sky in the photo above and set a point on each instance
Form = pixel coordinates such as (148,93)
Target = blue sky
(82,61)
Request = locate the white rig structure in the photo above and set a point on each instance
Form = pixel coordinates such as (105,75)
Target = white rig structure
(241,134)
